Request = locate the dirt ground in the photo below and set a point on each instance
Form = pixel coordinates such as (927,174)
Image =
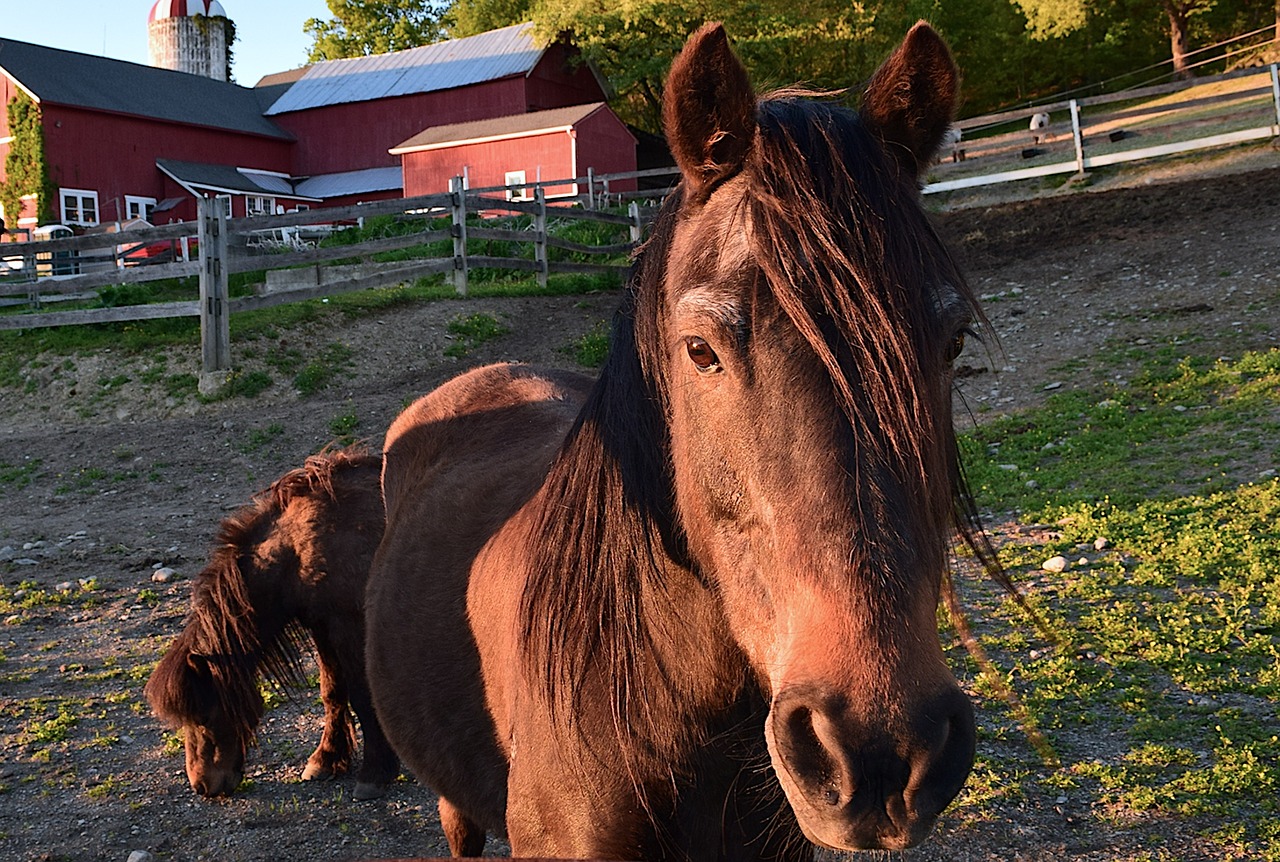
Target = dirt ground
(108,479)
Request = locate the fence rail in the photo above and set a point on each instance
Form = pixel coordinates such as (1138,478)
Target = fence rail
(1223,110)
(298,268)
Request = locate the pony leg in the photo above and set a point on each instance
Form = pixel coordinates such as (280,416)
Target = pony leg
(465,837)
(332,756)
(380,765)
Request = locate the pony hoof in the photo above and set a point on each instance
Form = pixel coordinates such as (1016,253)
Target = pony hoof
(317,773)
(365,791)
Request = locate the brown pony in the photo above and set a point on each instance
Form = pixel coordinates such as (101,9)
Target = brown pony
(293,561)
(703,625)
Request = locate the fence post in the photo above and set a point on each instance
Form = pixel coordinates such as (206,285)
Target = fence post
(1275,96)
(215,323)
(591,188)
(540,234)
(1075,134)
(637,227)
(458,202)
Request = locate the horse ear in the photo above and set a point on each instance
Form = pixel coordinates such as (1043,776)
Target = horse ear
(708,110)
(912,97)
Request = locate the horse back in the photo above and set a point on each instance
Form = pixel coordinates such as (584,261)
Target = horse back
(458,464)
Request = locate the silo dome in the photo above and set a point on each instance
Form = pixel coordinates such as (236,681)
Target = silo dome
(190,36)
(185,9)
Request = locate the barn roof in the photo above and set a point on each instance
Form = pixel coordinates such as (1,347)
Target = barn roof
(228,179)
(512,126)
(352,183)
(442,66)
(232,180)
(55,76)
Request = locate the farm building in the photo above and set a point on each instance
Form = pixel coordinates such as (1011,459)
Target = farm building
(519,149)
(123,140)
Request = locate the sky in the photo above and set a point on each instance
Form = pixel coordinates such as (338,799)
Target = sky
(269,35)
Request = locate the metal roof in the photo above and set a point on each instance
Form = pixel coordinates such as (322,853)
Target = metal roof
(55,76)
(512,126)
(227,178)
(442,66)
(233,180)
(352,183)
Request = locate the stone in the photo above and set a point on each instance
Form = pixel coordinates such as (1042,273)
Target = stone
(1055,564)
(1101,543)
(163,575)
(141,856)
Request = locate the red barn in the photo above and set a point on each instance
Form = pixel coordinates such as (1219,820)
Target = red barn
(124,140)
(519,149)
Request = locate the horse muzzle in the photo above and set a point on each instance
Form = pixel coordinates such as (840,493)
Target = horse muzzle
(863,780)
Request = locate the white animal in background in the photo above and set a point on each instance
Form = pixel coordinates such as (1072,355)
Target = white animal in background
(1039,127)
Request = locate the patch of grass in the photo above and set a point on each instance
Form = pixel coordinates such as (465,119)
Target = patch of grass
(317,374)
(260,437)
(343,427)
(591,349)
(19,475)
(249,384)
(472,331)
(1161,693)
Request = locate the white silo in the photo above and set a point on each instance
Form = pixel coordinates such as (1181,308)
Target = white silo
(190,36)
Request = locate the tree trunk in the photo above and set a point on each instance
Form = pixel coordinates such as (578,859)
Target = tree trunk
(1178,37)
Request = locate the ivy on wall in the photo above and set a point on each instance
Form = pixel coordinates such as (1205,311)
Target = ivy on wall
(26,168)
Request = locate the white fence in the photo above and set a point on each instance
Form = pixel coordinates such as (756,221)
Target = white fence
(1236,107)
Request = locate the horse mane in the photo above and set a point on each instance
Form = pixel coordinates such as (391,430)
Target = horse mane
(223,627)
(824,206)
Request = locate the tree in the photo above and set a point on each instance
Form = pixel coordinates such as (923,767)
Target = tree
(1055,18)
(363,27)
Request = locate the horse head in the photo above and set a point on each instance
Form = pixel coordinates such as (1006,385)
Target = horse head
(804,331)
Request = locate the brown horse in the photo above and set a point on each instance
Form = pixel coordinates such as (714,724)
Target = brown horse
(293,561)
(703,624)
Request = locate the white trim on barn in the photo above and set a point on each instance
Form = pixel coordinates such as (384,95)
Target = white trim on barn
(509,136)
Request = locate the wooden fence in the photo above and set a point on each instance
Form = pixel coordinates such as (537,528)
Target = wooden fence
(1169,119)
(39,274)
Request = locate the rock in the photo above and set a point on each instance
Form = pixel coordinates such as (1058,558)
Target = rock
(1051,386)
(163,575)
(141,856)
(64,587)
(1055,564)
(1083,561)
(7,553)
(1101,543)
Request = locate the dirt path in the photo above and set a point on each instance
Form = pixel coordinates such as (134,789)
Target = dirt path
(103,479)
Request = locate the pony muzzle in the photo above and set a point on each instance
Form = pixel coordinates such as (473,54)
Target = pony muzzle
(858,784)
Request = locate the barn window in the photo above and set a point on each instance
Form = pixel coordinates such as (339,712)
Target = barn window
(256,205)
(516,189)
(137,206)
(79,207)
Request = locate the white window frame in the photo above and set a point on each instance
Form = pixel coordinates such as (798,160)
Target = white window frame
(226,204)
(78,209)
(139,206)
(256,206)
(517,178)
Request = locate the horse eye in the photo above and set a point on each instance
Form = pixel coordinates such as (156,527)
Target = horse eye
(955,347)
(700,352)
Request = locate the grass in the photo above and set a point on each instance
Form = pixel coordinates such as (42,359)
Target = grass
(470,332)
(1160,696)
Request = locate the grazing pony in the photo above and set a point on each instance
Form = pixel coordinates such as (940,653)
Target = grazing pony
(293,561)
(703,624)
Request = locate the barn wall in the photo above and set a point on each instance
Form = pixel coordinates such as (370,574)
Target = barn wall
(358,135)
(116,155)
(428,172)
(607,146)
(556,82)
